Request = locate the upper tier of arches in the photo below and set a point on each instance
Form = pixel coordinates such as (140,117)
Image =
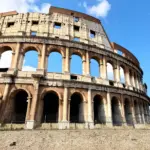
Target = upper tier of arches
(50,58)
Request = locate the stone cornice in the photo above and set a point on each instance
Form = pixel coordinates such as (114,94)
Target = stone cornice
(75,84)
(70,44)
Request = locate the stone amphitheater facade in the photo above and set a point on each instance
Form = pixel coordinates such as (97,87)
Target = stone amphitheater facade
(65,100)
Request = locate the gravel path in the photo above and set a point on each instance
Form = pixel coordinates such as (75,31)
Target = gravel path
(75,140)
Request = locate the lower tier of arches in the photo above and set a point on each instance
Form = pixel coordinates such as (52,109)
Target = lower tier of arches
(67,106)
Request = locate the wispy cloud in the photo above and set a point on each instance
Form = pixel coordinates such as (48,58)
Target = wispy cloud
(101,9)
(23,6)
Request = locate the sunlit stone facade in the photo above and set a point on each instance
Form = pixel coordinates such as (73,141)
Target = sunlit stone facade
(65,100)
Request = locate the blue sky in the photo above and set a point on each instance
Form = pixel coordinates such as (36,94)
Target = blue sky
(127,22)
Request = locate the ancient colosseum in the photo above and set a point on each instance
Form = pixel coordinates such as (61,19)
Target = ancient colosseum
(42,99)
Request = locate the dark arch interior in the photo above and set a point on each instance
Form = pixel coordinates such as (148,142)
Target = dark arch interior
(75,104)
(99,112)
(116,114)
(20,106)
(128,114)
(50,109)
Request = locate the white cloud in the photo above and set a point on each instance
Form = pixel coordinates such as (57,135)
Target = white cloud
(100,10)
(28,68)
(5,60)
(23,6)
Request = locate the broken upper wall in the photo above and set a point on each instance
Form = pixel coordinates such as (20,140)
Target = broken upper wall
(58,23)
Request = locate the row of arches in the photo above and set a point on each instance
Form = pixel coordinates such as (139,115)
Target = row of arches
(55,64)
(50,106)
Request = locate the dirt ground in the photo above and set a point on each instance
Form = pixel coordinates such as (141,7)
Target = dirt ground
(75,140)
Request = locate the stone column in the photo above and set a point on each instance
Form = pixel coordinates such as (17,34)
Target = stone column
(127,77)
(109,111)
(87,64)
(15,64)
(133,80)
(133,111)
(123,111)
(90,110)
(28,108)
(4,102)
(117,72)
(65,124)
(83,66)
(103,66)
(67,61)
(43,58)
(32,122)
(142,113)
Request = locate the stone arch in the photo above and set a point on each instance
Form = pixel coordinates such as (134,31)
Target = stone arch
(6,57)
(95,66)
(58,49)
(50,107)
(19,105)
(122,73)
(99,109)
(26,48)
(29,51)
(77,108)
(110,70)
(116,111)
(128,111)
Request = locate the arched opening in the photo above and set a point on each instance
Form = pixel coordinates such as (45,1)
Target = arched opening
(76,108)
(130,77)
(30,61)
(110,71)
(50,108)
(94,68)
(20,106)
(136,111)
(116,114)
(128,112)
(55,62)
(122,75)
(5,60)
(76,64)
(99,110)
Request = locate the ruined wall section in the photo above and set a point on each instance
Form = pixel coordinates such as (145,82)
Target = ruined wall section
(55,25)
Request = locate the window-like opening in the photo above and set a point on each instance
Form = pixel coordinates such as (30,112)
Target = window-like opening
(94,68)
(33,33)
(20,107)
(5,60)
(122,75)
(76,64)
(110,72)
(128,112)
(111,83)
(30,61)
(76,19)
(50,109)
(35,22)
(72,14)
(57,25)
(116,114)
(73,77)
(99,110)
(10,24)
(92,34)
(55,62)
(76,108)
(76,39)
(119,52)
(76,28)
